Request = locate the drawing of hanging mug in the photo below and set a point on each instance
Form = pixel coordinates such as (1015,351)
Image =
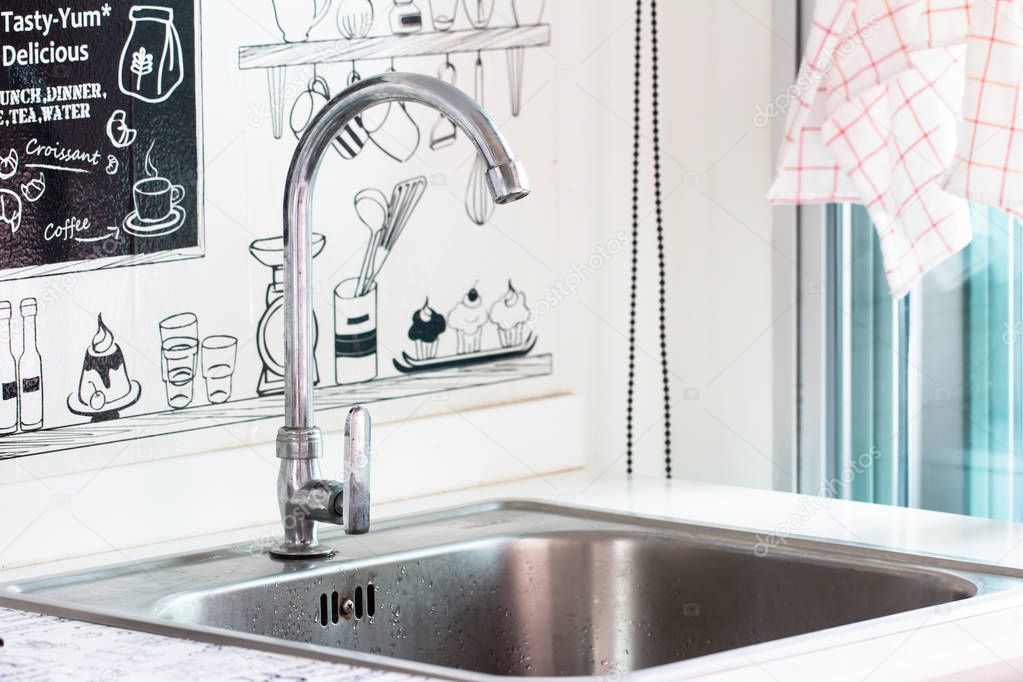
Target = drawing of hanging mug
(296,18)
(151,65)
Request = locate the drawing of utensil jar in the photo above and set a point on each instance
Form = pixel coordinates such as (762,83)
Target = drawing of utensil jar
(296,18)
(151,66)
(355,332)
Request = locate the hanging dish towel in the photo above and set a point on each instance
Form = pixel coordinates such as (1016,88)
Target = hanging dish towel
(911,108)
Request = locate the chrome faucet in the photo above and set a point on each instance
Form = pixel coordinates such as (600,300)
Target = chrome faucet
(304,497)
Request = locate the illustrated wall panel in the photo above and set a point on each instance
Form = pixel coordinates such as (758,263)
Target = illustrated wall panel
(427,296)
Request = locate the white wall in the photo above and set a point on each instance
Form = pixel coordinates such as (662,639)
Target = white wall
(715,70)
(126,505)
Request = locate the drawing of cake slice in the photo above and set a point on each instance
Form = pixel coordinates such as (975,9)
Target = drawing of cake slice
(104,381)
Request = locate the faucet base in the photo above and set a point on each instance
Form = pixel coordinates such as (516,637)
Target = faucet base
(301,550)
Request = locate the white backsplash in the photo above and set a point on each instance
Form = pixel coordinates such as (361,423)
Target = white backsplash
(443,257)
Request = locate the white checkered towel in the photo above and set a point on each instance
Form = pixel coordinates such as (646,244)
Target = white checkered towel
(911,108)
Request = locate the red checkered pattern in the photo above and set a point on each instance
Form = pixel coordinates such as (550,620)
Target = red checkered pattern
(911,108)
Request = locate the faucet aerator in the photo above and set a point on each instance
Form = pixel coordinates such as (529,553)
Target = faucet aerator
(508,182)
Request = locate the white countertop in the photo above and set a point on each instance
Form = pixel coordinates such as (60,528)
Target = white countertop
(961,641)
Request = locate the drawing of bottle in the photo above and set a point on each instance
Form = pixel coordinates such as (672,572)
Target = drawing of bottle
(8,374)
(30,370)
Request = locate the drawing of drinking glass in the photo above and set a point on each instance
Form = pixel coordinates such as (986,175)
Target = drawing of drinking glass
(218,358)
(179,357)
(179,347)
(182,326)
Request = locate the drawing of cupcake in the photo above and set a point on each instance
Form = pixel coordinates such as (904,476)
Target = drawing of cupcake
(427,325)
(511,315)
(467,319)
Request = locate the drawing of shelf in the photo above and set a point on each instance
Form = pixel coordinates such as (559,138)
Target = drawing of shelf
(277,57)
(200,417)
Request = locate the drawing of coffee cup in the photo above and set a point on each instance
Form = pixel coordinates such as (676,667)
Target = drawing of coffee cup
(155,198)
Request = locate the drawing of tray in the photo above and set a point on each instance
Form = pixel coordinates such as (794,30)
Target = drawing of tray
(464,360)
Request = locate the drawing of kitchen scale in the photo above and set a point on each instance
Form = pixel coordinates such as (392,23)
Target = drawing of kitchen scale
(270,332)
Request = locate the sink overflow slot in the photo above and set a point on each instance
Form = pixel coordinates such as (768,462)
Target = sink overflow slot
(334,607)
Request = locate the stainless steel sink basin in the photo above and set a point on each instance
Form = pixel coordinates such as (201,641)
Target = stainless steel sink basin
(513,588)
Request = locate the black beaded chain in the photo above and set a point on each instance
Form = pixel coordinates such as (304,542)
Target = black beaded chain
(662,283)
(635,237)
(662,268)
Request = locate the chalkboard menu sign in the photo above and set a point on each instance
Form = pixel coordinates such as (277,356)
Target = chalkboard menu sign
(99,149)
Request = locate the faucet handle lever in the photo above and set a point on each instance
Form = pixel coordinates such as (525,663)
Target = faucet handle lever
(356,481)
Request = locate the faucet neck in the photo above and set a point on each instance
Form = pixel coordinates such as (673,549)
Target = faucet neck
(506,177)
(300,488)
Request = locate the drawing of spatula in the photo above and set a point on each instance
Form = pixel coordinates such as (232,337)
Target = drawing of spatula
(404,199)
(371,207)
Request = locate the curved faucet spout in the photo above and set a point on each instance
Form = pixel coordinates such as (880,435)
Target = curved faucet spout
(506,178)
(304,499)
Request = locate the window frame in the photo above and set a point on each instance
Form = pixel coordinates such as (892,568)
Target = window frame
(809,424)
(787,18)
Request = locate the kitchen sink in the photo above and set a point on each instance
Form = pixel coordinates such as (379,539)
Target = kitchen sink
(514,588)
